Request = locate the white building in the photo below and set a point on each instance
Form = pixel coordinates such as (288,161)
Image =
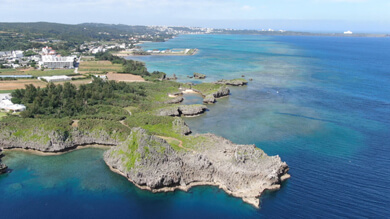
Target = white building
(348,32)
(51,61)
(17,54)
(7,105)
(56,78)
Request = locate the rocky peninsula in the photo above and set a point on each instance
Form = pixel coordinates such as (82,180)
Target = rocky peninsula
(149,142)
(243,171)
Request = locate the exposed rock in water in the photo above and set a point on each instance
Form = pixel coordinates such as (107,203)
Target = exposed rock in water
(175,100)
(250,79)
(3,168)
(185,110)
(192,110)
(223,91)
(171,78)
(233,82)
(209,99)
(199,76)
(151,163)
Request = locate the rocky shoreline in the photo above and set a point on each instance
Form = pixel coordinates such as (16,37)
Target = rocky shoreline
(162,163)
(3,167)
(243,171)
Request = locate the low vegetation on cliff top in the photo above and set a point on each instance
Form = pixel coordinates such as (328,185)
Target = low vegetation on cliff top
(114,107)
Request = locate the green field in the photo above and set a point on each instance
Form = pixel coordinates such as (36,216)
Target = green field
(37,73)
(2,114)
(99,67)
(5,91)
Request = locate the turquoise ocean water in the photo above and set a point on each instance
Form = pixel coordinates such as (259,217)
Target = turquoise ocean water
(321,103)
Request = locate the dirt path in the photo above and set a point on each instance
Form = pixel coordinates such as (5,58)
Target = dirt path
(75,123)
(123,123)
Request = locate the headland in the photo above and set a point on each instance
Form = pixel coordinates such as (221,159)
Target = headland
(149,142)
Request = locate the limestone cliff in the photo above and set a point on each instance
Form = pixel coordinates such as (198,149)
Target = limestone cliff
(151,163)
(3,167)
(55,141)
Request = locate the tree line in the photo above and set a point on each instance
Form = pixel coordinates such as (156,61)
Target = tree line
(98,98)
(129,66)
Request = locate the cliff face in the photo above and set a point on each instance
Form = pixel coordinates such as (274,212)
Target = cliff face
(54,141)
(185,110)
(3,167)
(241,170)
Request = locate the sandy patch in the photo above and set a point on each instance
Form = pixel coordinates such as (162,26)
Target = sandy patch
(124,77)
(20,84)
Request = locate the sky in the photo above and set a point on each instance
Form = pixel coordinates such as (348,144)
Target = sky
(298,15)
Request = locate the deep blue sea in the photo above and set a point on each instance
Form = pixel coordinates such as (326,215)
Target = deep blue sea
(321,103)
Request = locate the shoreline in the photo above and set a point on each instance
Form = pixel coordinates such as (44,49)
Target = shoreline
(49,153)
(253,200)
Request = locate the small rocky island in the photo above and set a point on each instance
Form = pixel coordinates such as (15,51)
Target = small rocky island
(148,141)
(199,75)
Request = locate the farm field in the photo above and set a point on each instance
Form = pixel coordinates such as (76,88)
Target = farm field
(99,67)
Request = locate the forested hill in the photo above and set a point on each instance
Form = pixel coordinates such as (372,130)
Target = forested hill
(25,35)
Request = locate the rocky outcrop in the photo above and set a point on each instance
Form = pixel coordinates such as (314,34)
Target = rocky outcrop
(179,126)
(233,82)
(182,110)
(3,167)
(192,110)
(209,99)
(175,100)
(199,76)
(223,91)
(174,77)
(151,163)
(55,141)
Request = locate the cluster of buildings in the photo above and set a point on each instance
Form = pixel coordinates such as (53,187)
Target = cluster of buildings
(96,47)
(183,30)
(44,58)
(15,59)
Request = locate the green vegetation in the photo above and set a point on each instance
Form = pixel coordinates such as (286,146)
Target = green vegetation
(37,73)
(37,130)
(29,53)
(2,114)
(132,148)
(129,66)
(6,91)
(24,36)
(99,67)
(204,88)
(113,128)
(101,108)
(66,100)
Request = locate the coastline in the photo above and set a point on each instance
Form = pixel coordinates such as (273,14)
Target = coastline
(42,153)
(254,201)
(154,54)
(248,192)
